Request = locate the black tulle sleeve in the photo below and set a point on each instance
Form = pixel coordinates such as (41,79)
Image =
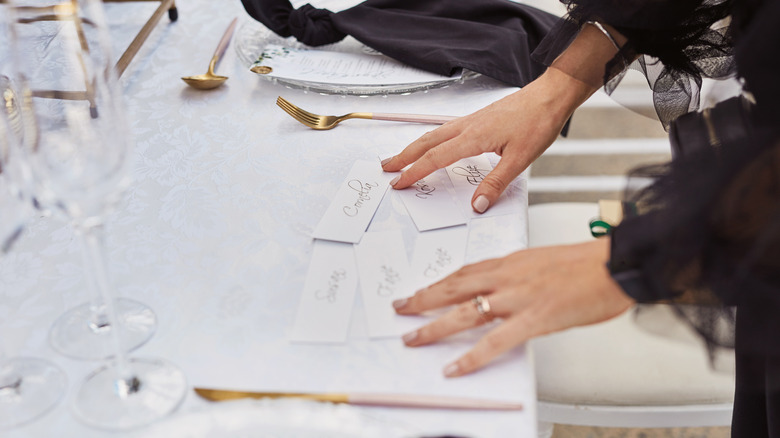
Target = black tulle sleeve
(705,234)
(680,42)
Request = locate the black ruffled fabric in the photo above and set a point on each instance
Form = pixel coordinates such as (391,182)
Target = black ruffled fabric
(681,42)
(491,37)
(705,235)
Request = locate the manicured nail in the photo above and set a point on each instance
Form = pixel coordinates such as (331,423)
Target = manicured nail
(400,304)
(385,161)
(394,181)
(409,337)
(451,370)
(481,203)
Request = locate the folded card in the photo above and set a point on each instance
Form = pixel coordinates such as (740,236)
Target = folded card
(431,204)
(328,294)
(355,203)
(384,277)
(466,175)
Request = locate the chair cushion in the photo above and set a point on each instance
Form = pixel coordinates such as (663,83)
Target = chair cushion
(619,362)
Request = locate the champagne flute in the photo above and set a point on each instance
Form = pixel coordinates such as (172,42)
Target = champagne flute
(80,165)
(29,387)
(55,59)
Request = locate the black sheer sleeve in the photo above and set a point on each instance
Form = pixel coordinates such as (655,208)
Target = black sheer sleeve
(707,232)
(704,235)
(681,41)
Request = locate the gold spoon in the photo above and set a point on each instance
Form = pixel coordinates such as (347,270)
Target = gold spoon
(209,80)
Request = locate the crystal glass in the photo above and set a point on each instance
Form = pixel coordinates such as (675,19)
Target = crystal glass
(29,387)
(79,163)
(63,58)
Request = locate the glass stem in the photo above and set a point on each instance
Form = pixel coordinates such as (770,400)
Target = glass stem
(92,239)
(88,237)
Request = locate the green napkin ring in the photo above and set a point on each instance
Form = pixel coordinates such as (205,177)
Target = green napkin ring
(599,228)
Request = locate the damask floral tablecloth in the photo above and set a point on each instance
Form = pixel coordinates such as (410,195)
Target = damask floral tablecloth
(215,235)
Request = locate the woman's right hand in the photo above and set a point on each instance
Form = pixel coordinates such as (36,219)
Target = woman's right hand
(518,127)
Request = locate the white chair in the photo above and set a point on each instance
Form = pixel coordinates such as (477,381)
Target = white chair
(616,373)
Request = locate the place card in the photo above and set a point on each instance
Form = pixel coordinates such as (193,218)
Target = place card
(437,254)
(328,297)
(430,203)
(355,203)
(384,277)
(466,175)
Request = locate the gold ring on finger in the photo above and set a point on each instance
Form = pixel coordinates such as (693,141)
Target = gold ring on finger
(483,308)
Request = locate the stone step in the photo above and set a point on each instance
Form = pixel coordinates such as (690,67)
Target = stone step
(599,157)
(629,113)
(595,122)
(545,197)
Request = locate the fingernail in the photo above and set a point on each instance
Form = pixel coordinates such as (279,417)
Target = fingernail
(400,304)
(451,370)
(394,181)
(385,161)
(409,337)
(480,204)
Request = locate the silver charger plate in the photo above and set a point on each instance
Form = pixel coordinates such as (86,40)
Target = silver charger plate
(253,37)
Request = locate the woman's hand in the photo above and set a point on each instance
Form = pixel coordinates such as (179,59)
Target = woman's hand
(534,292)
(518,127)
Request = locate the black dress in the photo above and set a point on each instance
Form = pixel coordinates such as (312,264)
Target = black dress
(706,235)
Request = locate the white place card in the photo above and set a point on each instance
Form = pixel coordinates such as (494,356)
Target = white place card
(466,175)
(328,295)
(384,277)
(431,204)
(437,254)
(355,203)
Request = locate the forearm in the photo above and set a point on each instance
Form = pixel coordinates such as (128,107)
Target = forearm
(579,71)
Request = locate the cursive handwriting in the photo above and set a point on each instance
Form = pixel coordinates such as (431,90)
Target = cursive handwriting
(332,290)
(424,191)
(362,189)
(443,260)
(387,285)
(473,174)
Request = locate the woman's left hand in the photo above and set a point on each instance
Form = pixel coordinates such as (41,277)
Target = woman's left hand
(534,292)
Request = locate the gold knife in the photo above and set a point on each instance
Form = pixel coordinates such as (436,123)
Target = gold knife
(369,399)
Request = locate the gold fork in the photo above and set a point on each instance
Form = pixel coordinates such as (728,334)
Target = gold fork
(316,121)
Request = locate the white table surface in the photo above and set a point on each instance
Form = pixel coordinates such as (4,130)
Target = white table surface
(214,235)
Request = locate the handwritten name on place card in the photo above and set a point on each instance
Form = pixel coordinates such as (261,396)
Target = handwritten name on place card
(438,253)
(430,203)
(328,295)
(466,175)
(384,277)
(355,203)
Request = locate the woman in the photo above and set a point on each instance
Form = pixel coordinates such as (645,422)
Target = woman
(708,230)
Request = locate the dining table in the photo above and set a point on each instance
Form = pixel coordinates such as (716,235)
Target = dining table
(214,234)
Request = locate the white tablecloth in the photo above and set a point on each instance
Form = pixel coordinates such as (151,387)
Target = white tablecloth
(214,235)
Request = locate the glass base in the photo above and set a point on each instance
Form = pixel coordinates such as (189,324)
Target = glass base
(77,336)
(39,388)
(157,389)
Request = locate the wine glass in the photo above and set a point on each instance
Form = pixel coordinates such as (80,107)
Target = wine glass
(29,387)
(62,59)
(80,166)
